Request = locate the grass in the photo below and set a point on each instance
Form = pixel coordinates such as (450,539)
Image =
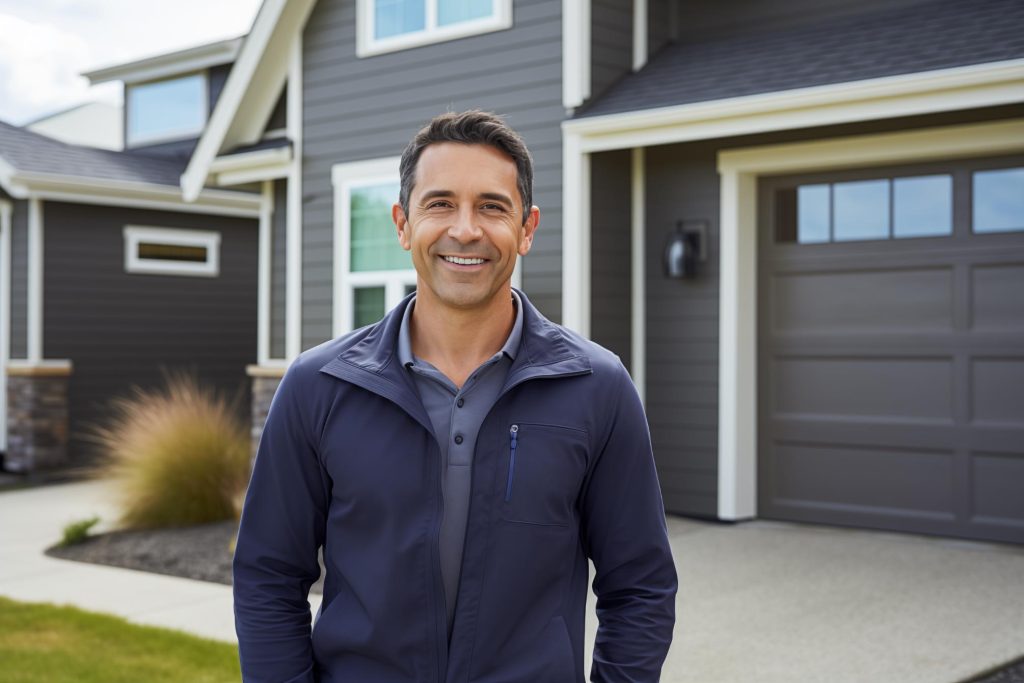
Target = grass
(42,643)
(179,456)
(76,532)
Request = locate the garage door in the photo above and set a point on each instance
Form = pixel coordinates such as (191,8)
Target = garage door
(891,348)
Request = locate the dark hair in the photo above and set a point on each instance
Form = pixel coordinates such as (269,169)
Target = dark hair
(472,127)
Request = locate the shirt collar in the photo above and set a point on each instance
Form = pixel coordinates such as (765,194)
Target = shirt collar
(510,348)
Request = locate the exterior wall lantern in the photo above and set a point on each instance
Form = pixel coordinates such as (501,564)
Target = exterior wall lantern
(685,248)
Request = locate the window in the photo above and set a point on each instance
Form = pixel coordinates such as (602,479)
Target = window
(998,200)
(373,271)
(389,25)
(876,209)
(162,111)
(168,251)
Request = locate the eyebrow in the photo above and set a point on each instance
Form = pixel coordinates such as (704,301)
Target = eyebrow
(446,194)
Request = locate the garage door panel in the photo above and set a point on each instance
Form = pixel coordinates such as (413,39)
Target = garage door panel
(864,386)
(997,391)
(874,431)
(997,297)
(827,476)
(998,496)
(863,301)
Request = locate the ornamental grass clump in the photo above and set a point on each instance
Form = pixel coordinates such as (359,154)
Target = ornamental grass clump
(178,456)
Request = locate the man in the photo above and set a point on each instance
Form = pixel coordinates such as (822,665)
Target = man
(459,462)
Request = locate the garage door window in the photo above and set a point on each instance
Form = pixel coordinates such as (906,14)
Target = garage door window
(999,200)
(876,209)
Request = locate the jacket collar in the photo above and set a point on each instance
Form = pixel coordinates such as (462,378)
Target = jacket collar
(370,360)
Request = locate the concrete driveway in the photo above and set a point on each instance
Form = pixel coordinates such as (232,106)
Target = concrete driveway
(759,601)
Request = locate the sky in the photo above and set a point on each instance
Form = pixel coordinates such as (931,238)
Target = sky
(46,44)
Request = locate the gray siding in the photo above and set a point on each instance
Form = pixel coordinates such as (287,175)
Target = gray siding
(278,260)
(369,108)
(279,116)
(662,17)
(611,42)
(119,329)
(19,280)
(610,252)
(682,331)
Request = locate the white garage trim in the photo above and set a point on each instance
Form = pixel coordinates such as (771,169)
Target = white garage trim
(5,313)
(34,353)
(739,170)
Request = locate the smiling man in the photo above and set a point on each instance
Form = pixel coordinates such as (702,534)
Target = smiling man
(459,462)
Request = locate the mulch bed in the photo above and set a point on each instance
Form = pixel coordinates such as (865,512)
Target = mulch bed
(200,552)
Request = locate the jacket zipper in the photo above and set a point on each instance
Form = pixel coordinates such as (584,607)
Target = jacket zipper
(513,433)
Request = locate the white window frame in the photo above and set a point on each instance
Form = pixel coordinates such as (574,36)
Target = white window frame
(345,177)
(173,136)
(208,239)
(367,45)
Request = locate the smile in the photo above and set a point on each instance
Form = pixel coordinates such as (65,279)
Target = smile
(463,261)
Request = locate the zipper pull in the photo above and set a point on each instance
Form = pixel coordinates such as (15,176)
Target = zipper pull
(513,434)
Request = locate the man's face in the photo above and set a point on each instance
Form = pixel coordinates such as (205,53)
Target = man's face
(465,225)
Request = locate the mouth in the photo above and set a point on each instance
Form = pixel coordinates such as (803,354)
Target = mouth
(464,261)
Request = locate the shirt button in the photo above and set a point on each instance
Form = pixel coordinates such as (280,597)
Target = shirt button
(460,402)
(458,438)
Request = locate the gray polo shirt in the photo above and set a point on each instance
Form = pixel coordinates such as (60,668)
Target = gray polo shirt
(457,415)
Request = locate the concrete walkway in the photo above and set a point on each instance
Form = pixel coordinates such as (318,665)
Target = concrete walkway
(763,601)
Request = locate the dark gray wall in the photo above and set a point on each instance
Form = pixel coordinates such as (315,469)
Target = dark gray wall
(369,108)
(610,252)
(662,16)
(611,42)
(19,279)
(682,330)
(279,116)
(278,260)
(119,328)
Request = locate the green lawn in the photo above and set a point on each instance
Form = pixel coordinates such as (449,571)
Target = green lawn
(42,643)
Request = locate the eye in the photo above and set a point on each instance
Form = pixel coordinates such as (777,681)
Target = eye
(492,206)
(439,204)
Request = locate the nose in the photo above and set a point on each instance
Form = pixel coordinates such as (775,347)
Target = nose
(465,229)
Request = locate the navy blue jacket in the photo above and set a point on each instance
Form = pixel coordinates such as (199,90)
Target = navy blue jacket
(563,471)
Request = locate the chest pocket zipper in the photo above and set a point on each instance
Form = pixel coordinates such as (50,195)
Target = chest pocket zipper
(513,434)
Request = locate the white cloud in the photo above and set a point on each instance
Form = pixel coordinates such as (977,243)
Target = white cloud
(45,44)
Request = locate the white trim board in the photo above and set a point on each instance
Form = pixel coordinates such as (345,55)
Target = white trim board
(6,211)
(740,169)
(81,190)
(252,89)
(34,314)
(967,87)
(575,52)
(171,64)
(265,261)
(293,207)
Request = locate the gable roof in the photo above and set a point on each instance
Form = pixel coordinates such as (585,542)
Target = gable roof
(252,89)
(919,38)
(28,152)
(33,164)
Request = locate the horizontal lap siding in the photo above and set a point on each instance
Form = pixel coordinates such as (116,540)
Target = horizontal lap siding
(19,280)
(611,286)
(118,329)
(611,42)
(278,259)
(368,108)
(682,331)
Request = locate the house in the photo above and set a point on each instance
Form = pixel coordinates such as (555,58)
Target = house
(107,276)
(846,179)
(848,346)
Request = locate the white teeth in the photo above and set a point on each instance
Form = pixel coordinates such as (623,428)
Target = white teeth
(463,261)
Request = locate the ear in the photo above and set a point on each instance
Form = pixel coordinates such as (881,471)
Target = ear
(401,225)
(527,231)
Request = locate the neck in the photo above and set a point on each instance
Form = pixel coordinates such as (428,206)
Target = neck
(456,341)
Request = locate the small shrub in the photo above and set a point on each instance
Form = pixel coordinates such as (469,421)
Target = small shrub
(178,456)
(76,532)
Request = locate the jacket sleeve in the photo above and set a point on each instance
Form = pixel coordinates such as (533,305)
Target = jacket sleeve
(626,537)
(280,534)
